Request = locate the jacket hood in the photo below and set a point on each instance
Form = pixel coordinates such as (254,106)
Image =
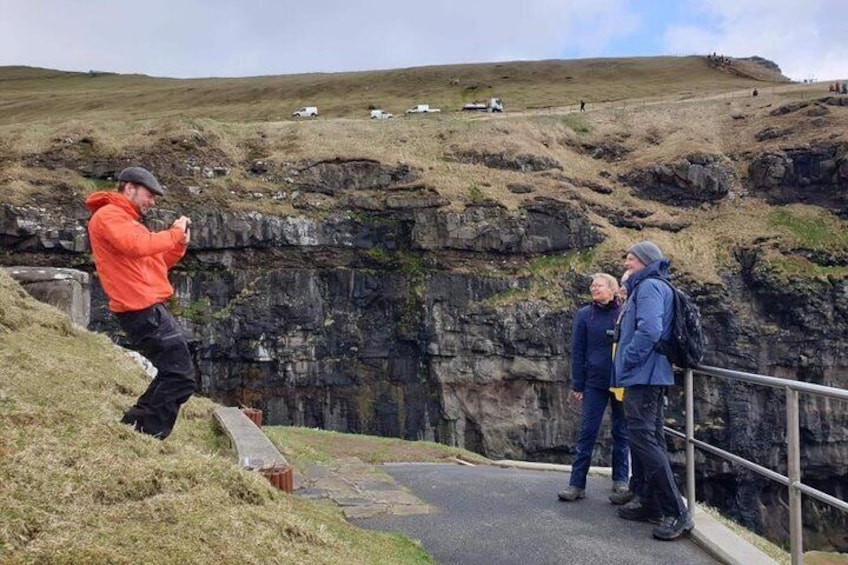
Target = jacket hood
(98,200)
(656,270)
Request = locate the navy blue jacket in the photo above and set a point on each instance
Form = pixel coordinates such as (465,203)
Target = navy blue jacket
(591,346)
(645,320)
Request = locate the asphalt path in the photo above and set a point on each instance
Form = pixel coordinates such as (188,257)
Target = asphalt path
(490,516)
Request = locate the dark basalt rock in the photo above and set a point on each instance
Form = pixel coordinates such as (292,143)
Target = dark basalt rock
(503,160)
(337,176)
(816,175)
(690,182)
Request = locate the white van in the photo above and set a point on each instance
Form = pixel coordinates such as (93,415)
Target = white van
(305,112)
(380,115)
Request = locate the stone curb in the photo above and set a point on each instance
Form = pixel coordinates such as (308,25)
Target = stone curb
(724,544)
(602,471)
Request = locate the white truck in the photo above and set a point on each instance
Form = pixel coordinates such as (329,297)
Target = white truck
(422,109)
(305,112)
(490,105)
(381,115)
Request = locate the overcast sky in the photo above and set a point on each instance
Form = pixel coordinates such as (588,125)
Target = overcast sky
(201,38)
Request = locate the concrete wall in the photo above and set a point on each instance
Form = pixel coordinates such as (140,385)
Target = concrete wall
(66,289)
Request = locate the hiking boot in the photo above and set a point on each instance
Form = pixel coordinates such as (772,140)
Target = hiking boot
(571,493)
(672,527)
(621,493)
(634,510)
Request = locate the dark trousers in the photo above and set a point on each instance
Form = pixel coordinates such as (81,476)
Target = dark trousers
(643,406)
(595,402)
(154,333)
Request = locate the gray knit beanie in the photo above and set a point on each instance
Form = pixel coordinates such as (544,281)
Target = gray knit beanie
(646,251)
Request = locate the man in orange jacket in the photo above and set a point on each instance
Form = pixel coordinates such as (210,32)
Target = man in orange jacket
(132,263)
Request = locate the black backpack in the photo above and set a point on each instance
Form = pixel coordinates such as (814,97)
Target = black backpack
(685,346)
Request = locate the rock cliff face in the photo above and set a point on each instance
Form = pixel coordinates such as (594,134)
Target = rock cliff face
(412,320)
(813,175)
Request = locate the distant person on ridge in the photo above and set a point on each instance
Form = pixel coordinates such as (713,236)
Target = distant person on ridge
(591,373)
(132,264)
(645,373)
(582,105)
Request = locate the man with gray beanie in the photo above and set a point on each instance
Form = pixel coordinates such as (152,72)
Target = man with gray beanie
(645,373)
(132,266)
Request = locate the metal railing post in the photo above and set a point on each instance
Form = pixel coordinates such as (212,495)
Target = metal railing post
(690,435)
(793,471)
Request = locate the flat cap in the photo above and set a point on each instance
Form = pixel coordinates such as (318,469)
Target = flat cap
(140,175)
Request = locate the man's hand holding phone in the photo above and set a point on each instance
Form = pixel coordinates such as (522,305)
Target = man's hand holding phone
(184,223)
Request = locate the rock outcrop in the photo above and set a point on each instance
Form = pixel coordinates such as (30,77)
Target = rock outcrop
(503,160)
(815,174)
(689,182)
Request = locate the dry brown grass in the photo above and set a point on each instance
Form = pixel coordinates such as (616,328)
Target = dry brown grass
(78,487)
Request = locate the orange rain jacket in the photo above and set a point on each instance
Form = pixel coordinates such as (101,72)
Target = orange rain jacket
(132,262)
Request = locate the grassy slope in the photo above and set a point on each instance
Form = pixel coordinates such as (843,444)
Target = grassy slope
(78,487)
(522,85)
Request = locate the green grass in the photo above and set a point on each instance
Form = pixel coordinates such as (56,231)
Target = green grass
(557,265)
(98,184)
(799,267)
(475,195)
(813,229)
(576,122)
(546,275)
(305,445)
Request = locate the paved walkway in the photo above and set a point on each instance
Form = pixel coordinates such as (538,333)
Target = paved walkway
(490,516)
(469,514)
(493,514)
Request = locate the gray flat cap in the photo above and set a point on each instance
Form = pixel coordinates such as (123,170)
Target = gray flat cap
(140,175)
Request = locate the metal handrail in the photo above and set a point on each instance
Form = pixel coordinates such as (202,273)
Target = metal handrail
(793,466)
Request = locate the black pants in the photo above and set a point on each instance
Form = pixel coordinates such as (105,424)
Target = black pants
(643,407)
(154,333)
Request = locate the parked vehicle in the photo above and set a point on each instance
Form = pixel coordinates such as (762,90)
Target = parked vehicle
(422,109)
(381,115)
(490,105)
(305,112)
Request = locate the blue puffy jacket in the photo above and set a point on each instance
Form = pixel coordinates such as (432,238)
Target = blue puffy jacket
(591,346)
(645,321)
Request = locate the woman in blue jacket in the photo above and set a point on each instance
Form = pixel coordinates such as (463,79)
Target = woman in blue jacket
(591,373)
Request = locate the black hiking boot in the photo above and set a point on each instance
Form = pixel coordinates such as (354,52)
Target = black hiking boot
(634,510)
(672,527)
